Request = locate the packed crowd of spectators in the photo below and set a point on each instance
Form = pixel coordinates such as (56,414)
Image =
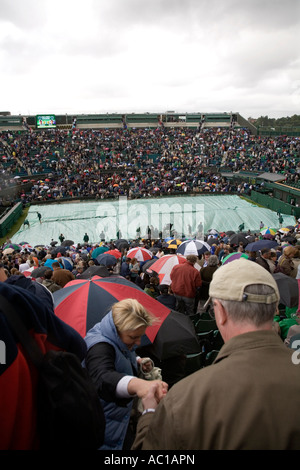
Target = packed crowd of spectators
(107,163)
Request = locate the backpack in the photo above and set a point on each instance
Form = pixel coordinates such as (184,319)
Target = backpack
(69,412)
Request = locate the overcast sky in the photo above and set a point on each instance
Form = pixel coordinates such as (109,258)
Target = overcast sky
(96,56)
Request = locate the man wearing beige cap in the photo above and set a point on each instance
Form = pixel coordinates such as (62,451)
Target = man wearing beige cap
(249,397)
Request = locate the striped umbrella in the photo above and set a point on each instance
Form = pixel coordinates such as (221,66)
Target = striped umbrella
(233,256)
(268,232)
(141,254)
(66,262)
(13,246)
(174,243)
(193,247)
(164,265)
(83,303)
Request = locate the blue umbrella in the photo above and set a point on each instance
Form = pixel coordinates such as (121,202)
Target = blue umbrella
(66,262)
(99,251)
(106,259)
(260,244)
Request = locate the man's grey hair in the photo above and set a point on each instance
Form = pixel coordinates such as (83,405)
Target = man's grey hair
(255,313)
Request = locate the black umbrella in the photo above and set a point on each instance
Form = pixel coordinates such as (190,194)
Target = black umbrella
(237,238)
(101,271)
(230,232)
(121,243)
(176,325)
(288,289)
(39,272)
(59,249)
(67,243)
(53,243)
(106,260)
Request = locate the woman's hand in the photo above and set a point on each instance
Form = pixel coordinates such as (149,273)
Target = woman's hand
(141,387)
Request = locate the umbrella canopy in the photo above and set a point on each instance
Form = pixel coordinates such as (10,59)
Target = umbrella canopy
(121,243)
(268,232)
(14,246)
(100,271)
(8,251)
(106,260)
(213,231)
(83,303)
(164,265)
(116,253)
(67,243)
(99,251)
(233,256)
(147,265)
(141,254)
(66,262)
(260,244)
(193,247)
(237,238)
(288,289)
(173,244)
(40,271)
(284,230)
(59,249)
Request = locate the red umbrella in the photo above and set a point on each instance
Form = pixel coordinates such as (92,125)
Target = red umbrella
(83,303)
(115,253)
(141,254)
(164,265)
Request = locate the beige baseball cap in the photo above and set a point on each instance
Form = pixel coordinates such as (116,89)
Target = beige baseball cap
(230,281)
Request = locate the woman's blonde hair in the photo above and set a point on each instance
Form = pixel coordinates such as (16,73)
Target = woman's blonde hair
(129,314)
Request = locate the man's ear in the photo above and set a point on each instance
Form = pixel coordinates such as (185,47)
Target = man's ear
(220,313)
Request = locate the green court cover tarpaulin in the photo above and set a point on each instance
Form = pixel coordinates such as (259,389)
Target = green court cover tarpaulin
(123,217)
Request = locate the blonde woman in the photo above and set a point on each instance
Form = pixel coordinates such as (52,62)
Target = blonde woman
(113,366)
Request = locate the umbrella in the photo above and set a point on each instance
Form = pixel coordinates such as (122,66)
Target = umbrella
(147,265)
(58,249)
(8,251)
(106,260)
(268,232)
(141,254)
(164,265)
(213,231)
(116,253)
(288,289)
(233,256)
(173,244)
(284,230)
(26,246)
(230,232)
(53,243)
(121,243)
(237,238)
(99,251)
(67,243)
(83,303)
(66,262)
(100,271)
(14,246)
(40,271)
(260,244)
(193,247)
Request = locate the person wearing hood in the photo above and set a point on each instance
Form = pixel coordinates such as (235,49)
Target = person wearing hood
(112,363)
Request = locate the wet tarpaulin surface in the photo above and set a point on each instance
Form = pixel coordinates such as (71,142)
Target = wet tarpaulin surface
(121,218)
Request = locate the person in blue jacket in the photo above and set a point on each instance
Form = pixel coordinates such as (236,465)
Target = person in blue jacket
(112,364)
